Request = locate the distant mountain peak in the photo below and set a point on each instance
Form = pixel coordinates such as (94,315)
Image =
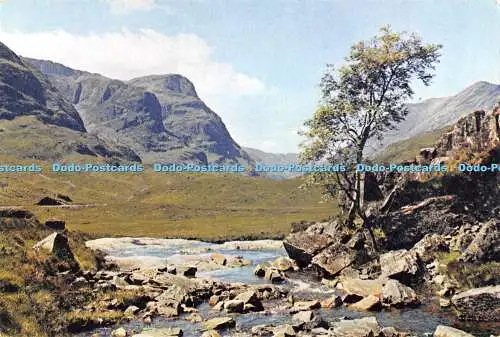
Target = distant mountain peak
(172,82)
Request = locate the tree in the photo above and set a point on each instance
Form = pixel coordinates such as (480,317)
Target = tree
(364,98)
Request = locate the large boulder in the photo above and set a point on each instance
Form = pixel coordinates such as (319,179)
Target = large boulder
(363,327)
(234,306)
(446,331)
(284,264)
(395,294)
(401,265)
(478,304)
(355,289)
(219,323)
(369,303)
(332,260)
(56,244)
(302,246)
(250,297)
(486,245)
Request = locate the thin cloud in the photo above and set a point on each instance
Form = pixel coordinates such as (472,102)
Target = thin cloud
(127,54)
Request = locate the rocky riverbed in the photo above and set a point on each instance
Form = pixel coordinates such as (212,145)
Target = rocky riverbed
(246,288)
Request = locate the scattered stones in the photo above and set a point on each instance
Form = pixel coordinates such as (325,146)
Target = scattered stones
(446,331)
(478,304)
(250,298)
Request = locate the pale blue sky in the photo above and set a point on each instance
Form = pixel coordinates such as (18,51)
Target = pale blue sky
(256,63)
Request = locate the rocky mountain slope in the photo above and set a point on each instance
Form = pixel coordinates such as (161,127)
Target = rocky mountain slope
(161,117)
(24,91)
(36,121)
(436,113)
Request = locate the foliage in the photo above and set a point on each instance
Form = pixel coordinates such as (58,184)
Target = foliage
(361,100)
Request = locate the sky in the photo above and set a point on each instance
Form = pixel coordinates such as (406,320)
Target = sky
(256,63)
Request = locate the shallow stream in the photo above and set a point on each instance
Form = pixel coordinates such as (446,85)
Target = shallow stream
(421,321)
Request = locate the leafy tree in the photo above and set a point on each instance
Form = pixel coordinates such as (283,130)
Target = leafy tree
(361,100)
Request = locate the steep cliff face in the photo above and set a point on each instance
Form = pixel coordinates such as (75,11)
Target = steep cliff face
(477,133)
(37,122)
(161,117)
(26,92)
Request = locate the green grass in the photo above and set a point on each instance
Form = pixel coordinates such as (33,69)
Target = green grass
(407,149)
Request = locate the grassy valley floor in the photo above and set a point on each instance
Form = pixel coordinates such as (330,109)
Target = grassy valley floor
(203,206)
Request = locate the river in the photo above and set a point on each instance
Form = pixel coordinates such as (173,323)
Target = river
(148,252)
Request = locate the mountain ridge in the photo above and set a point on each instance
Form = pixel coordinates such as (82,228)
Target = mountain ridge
(160,117)
(37,122)
(438,112)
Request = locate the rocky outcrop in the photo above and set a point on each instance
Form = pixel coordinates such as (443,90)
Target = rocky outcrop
(56,244)
(17,218)
(23,91)
(485,246)
(479,304)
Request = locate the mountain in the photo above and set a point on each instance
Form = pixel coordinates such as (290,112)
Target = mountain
(160,117)
(36,121)
(25,92)
(268,158)
(436,113)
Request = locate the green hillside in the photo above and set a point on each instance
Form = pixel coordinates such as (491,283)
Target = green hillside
(407,149)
